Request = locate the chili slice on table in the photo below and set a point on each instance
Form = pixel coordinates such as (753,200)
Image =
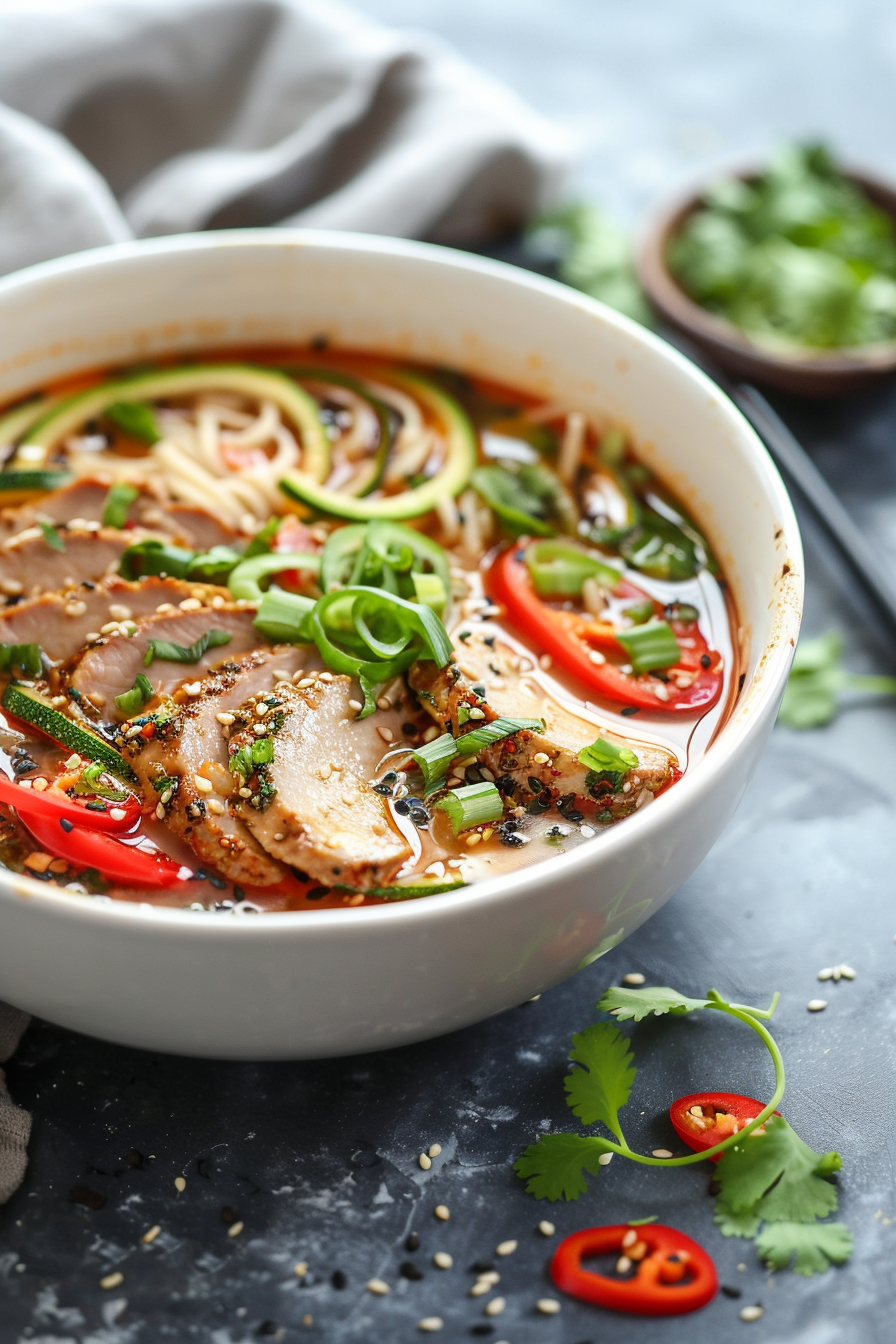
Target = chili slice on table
(704,1119)
(112,858)
(674,1276)
(95,814)
(574,641)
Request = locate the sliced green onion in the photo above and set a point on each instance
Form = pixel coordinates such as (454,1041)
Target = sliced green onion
(605,758)
(245,579)
(185,653)
(639,613)
(650,647)
(91,780)
(559,569)
(382,555)
(433,759)
(528,499)
(136,418)
(247,759)
(131,702)
(472,805)
(164,558)
(51,535)
(488,733)
(23,657)
(430,591)
(119,499)
(282,617)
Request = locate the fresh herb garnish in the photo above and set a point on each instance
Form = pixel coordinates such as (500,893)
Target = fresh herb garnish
(52,535)
(131,702)
(604,757)
(528,498)
(247,759)
(185,653)
(136,418)
(472,805)
(773,1186)
(95,779)
(119,499)
(594,254)
(26,658)
(163,557)
(817,681)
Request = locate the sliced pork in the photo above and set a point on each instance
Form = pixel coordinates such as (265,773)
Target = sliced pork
(30,564)
(184,770)
(313,804)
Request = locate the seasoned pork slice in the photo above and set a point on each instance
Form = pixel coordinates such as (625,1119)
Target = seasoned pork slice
(532,765)
(85,499)
(30,564)
(312,804)
(111,667)
(61,623)
(193,746)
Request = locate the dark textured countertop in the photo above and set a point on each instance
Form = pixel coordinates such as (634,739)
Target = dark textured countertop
(319,1161)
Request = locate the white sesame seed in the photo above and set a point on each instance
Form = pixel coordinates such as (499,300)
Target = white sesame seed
(595,656)
(324,771)
(305,683)
(120,613)
(634,978)
(11,587)
(73,762)
(661,1152)
(836,974)
(377,1287)
(112,1280)
(383,702)
(180,1184)
(432,733)
(191,604)
(477,713)
(546,1229)
(75,607)
(435,1149)
(430,1324)
(117,813)
(57,701)
(605,1159)
(442,1212)
(816,1005)
(472,839)
(150,1235)
(39,784)
(489,1277)
(506,1247)
(425,1161)
(202,784)
(827,973)
(750,1313)
(548,1306)
(261,709)
(260,729)
(235,1228)
(244,792)
(623,1264)
(110,628)
(355,705)
(385,733)
(630,1238)
(301,1269)
(193,688)
(847,972)
(215,805)
(480,1287)
(442,1260)
(541,758)
(545,662)
(496,1306)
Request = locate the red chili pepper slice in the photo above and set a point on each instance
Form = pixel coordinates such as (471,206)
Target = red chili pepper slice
(30,803)
(704,1119)
(569,638)
(114,859)
(675,1275)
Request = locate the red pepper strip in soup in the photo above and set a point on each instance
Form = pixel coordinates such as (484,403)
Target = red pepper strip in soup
(674,1276)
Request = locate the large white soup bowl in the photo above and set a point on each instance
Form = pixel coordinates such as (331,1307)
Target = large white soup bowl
(336,981)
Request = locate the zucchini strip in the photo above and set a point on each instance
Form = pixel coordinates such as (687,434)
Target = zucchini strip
(460,459)
(29,706)
(292,400)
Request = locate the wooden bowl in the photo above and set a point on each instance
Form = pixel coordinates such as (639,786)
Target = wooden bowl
(808,373)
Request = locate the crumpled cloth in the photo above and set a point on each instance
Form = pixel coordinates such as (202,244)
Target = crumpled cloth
(15,1124)
(134,118)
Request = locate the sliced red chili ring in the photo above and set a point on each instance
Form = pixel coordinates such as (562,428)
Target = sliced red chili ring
(571,640)
(674,1276)
(704,1119)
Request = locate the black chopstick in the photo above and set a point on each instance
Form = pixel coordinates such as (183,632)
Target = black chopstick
(800,471)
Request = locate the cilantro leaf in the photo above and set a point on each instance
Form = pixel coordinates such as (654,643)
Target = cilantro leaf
(51,535)
(592,253)
(777,1176)
(814,1247)
(598,1089)
(640,1003)
(732,1223)
(552,1167)
(817,681)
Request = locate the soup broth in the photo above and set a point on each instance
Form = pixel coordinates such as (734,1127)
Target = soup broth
(297,629)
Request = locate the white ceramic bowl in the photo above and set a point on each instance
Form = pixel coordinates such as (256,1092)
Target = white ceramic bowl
(337,981)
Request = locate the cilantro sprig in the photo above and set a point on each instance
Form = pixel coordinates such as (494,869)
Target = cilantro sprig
(818,681)
(773,1186)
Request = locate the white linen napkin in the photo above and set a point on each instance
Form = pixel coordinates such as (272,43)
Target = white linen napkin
(133,118)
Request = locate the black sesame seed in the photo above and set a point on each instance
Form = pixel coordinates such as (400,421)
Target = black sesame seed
(67,826)
(338,1279)
(408,1270)
(482,1267)
(410,729)
(384,789)
(705,660)
(316,893)
(629,711)
(217,882)
(482,1329)
(228,1215)
(731,1292)
(268,1328)
(412,1241)
(402,807)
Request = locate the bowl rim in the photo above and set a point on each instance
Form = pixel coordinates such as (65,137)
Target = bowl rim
(743,722)
(702,325)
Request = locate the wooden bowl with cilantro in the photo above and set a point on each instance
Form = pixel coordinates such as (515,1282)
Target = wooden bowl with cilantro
(786,276)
